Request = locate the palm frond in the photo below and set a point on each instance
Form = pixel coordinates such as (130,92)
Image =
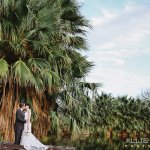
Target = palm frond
(22,74)
(4,69)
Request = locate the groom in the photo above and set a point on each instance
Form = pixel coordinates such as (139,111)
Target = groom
(19,123)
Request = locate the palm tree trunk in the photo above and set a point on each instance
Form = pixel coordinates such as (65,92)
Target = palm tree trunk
(6,112)
(41,108)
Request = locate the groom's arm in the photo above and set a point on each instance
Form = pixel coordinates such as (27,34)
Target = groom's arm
(20,118)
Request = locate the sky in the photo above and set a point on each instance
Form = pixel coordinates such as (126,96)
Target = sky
(119,45)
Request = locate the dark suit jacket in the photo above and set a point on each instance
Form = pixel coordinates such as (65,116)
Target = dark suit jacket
(20,120)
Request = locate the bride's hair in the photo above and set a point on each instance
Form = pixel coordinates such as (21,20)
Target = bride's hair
(28,105)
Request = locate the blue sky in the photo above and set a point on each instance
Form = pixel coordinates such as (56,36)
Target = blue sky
(119,44)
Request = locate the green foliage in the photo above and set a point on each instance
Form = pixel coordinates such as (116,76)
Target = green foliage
(40,43)
(23,74)
(102,112)
(55,122)
(4,69)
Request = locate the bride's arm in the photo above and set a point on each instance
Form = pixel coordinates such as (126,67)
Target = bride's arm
(28,120)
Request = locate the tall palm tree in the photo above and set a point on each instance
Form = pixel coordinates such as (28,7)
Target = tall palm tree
(39,44)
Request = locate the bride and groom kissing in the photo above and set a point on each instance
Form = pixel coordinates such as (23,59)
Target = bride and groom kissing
(22,127)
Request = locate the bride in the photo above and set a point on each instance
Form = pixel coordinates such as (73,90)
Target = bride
(28,140)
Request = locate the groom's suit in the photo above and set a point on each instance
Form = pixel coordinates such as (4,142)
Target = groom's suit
(19,125)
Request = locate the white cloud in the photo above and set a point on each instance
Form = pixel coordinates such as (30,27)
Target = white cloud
(106,17)
(119,82)
(122,29)
(116,37)
(81,1)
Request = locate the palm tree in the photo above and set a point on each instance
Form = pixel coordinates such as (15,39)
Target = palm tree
(104,111)
(39,44)
(75,107)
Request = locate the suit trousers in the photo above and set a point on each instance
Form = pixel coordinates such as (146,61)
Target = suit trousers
(18,134)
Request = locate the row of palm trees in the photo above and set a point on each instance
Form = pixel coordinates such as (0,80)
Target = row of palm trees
(86,114)
(40,41)
(123,113)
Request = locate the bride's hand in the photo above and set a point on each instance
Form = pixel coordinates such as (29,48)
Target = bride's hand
(27,130)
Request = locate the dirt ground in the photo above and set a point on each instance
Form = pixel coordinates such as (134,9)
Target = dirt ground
(10,146)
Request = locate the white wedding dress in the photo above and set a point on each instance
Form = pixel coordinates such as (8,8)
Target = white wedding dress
(28,140)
